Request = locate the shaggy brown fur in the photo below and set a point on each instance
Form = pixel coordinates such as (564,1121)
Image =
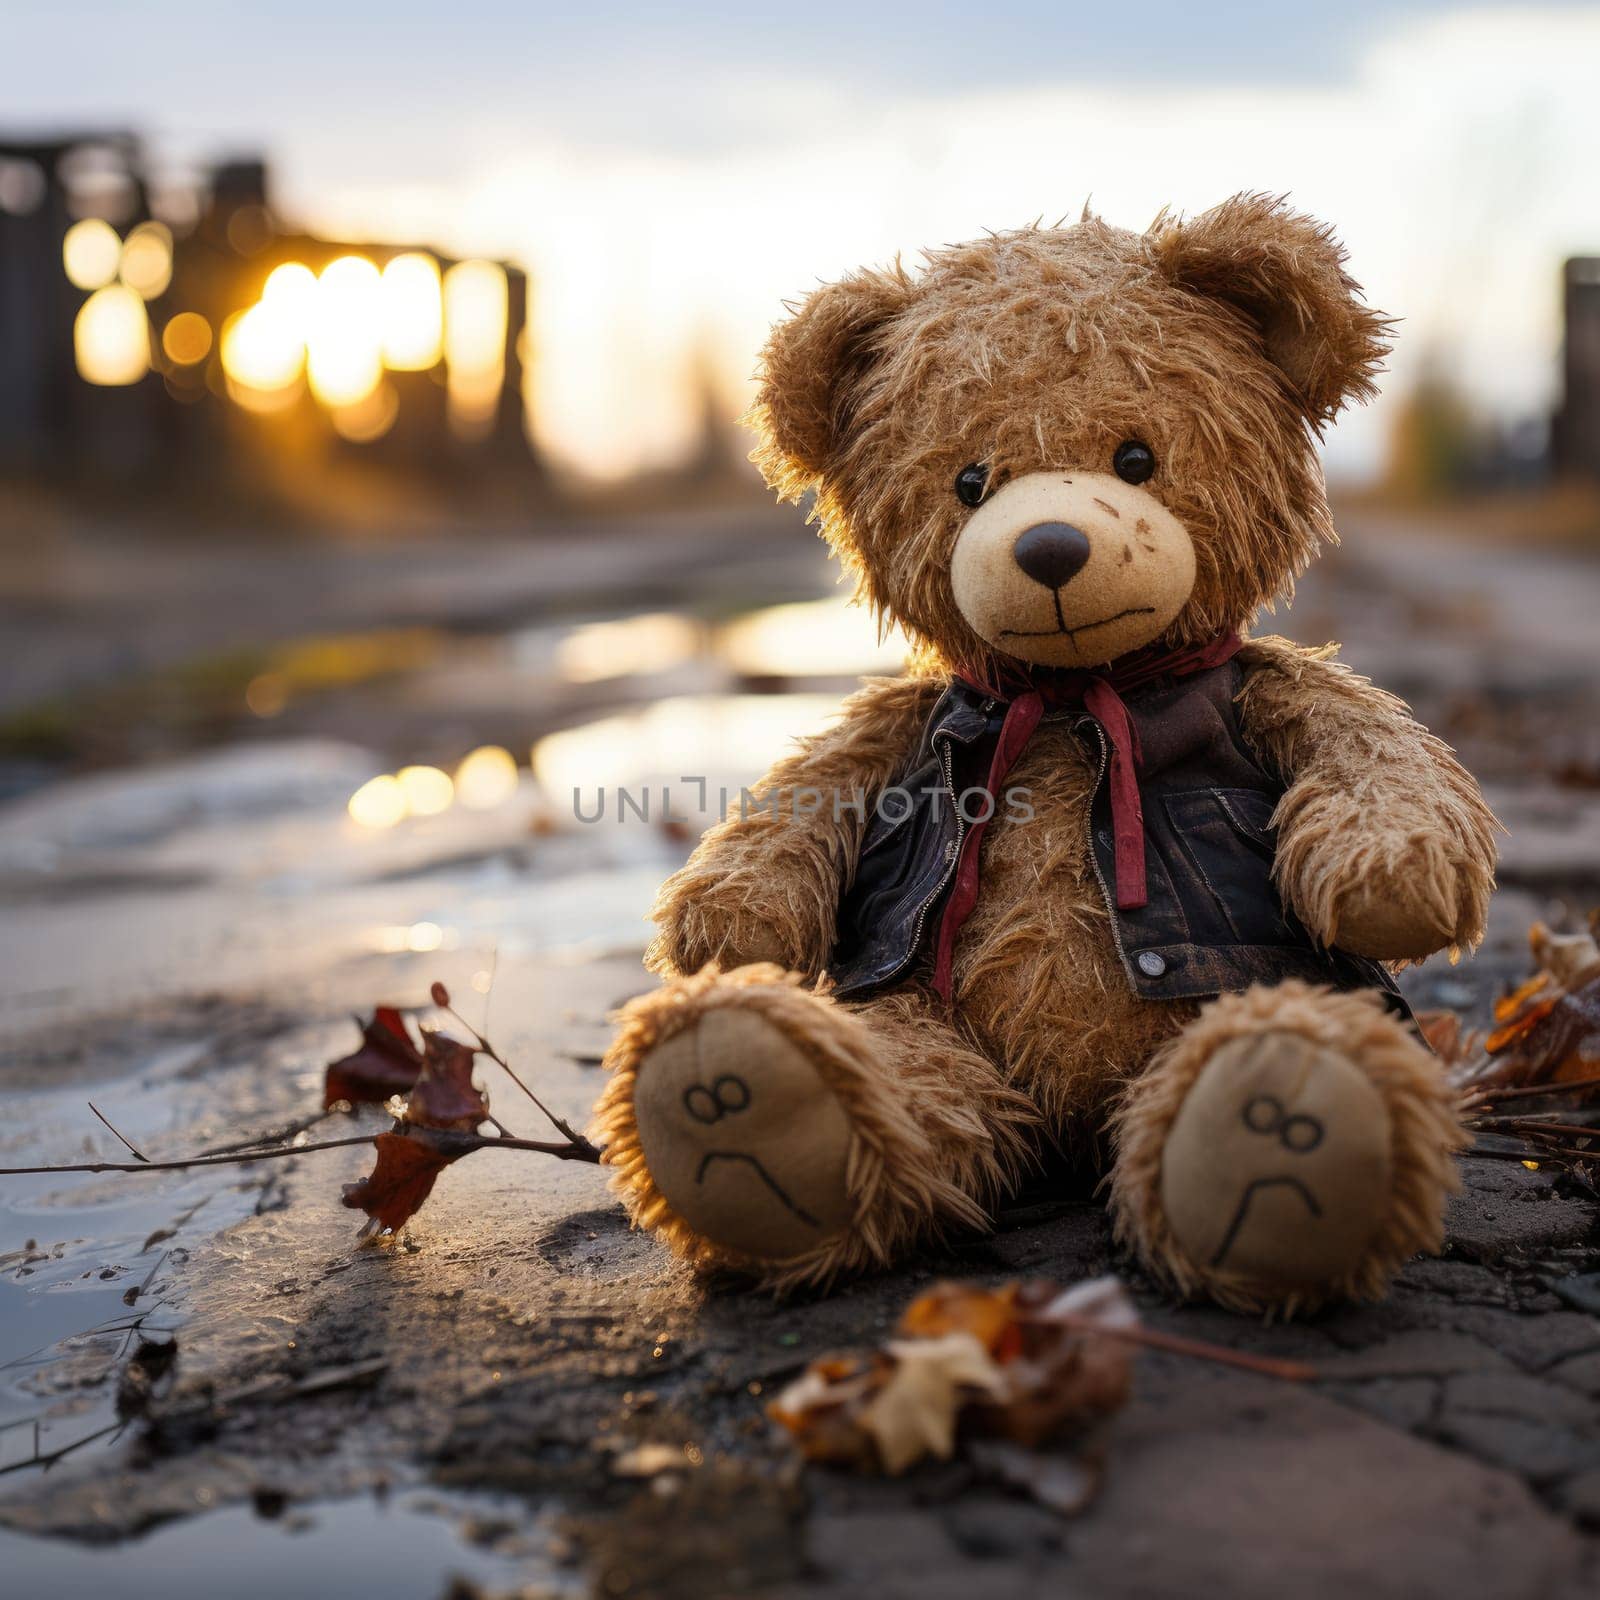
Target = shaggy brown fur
(1425,1135)
(1223,343)
(1045,348)
(1384,843)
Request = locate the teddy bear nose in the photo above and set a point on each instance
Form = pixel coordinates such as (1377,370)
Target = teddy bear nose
(1051,553)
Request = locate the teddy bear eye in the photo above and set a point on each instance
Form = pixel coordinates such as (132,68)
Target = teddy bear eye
(971,481)
(1134,461)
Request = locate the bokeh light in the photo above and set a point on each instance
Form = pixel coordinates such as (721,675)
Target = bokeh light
(90,251)
(262,349)
(146,264)
(23,186)
(344,343)
(650,642)
(427,790)
(111,337)
(186,339)
(475,317)
(378,803)
(291,290)
(486,778)
(370,417)
(267,694)
(411,307)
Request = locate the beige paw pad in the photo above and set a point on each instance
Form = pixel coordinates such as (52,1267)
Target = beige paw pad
(1277,1167)
(742,1136)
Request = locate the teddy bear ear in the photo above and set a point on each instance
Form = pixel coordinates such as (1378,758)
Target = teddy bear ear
(1286,272)
(808,368)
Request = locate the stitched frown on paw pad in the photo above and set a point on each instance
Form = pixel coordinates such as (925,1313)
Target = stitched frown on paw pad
(1277,1168)
(742,1136)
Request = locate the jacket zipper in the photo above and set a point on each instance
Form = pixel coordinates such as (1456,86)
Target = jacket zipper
(954,853)
(1094,859)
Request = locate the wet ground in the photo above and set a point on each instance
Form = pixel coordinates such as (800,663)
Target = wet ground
(204,1378)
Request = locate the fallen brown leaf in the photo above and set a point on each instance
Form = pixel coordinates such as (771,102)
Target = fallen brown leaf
(444,1095)
(913,1414)
(1028,1363)
(387,1063)
(407,1165)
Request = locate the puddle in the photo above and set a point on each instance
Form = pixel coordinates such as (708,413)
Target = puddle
(409,1547)
(809,639)
(91,1263)
(723,741)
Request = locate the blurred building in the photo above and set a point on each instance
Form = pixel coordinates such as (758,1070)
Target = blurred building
(1575,437)
(178,332)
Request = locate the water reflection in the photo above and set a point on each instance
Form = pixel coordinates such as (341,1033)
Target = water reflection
(694,746)
(708,724)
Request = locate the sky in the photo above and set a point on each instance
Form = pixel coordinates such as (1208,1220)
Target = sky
(671,174)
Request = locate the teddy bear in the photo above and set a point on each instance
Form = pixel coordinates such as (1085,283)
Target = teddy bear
(1102,873)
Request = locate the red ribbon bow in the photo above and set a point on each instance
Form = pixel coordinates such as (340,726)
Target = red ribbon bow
(1099,692)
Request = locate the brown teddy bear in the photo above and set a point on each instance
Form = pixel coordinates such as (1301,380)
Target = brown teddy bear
(1097,865)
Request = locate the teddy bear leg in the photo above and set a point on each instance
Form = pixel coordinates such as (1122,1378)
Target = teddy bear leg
(1292,1146)
(754,1123)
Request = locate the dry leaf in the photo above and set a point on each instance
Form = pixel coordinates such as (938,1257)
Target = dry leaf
(444,1095)
(386,1064)
(1569,958)
(914,1413)
(1027,1363)
(1547,1029)
(407,1165)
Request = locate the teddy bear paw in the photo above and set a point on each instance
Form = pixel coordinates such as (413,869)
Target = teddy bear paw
(742,1137)
(1276,1173)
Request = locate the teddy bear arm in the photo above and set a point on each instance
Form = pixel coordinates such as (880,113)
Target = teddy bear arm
(763,885)
(1385,845)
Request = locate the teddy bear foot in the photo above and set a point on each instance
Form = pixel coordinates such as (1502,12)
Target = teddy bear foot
(741,1137)
(1277,1169)
(1301,1143)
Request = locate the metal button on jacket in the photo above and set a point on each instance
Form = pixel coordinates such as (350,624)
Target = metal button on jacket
(1150,964)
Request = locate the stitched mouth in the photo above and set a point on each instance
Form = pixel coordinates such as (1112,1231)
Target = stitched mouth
(1230,1238)
(1072,633)
(762,1173)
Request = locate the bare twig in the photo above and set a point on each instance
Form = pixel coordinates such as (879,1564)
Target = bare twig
(277,1136)
(1555,1130)
(463,1143)
(1513,1092)
(1175,1344)
(121,1136)
(48,1460)
(441,998)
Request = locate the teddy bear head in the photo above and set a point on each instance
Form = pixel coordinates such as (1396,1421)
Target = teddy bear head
(1057,445)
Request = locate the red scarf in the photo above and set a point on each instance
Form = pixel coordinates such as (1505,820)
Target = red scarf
(1098,691)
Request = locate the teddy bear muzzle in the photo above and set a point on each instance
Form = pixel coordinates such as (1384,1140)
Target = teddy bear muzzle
(1071,569)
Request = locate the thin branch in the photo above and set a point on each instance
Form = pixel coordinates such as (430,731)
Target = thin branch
(277,1136)
(122,1136)
(558,1123)
(47,1461)
(1175,1344)
(574,1150)
(1513,1092)
(1556,1130)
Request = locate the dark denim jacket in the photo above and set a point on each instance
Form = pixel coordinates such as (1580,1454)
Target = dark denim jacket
(1213,922)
